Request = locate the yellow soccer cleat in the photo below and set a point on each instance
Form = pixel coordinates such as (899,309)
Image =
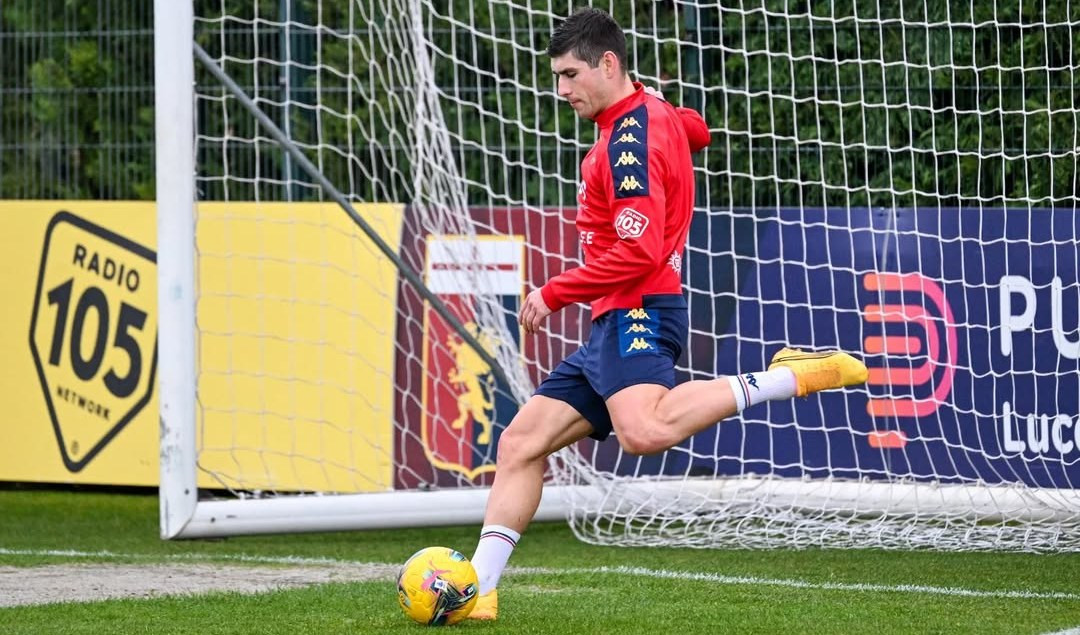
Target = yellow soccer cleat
(487,606)
(816,371)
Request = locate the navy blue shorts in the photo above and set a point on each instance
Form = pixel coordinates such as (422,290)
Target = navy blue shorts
(626,347)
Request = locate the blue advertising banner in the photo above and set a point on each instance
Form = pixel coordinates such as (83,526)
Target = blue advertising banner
(968,319)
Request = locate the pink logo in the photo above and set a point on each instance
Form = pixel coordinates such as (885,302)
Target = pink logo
(433,575)
(938,354)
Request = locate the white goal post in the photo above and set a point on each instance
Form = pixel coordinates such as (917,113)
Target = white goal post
(183,514)
(354,197)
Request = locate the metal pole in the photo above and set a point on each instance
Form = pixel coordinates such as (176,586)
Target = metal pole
(412,276)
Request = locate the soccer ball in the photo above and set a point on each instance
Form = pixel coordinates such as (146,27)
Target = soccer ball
(437,586)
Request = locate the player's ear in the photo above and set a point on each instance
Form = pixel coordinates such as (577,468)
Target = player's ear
(610,63)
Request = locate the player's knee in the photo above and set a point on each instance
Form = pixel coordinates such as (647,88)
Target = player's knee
(518,446)
(641,438)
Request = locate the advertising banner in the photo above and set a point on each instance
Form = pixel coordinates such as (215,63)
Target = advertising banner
(296,313)
(450,404)
(967,318)
(461,401)
(79,342)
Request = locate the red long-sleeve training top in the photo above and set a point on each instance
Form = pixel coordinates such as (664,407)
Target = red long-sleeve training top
(635,201)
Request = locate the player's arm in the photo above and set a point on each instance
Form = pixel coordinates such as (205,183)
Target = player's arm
(697,131)
(639,208)
(627,260)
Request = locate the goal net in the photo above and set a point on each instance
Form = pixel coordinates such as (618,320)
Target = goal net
(893,179)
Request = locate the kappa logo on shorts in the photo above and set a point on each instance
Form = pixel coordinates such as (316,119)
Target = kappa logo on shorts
(639,332)
(630,223)
(639,344)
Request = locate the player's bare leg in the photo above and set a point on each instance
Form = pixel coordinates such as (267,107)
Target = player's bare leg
(650,418)
(542,426)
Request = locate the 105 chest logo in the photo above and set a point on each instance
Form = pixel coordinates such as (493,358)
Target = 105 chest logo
(630,223)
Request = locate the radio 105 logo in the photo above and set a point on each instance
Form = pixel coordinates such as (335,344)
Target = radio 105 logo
(93,333)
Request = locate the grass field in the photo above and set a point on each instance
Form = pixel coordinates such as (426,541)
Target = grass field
(559,585)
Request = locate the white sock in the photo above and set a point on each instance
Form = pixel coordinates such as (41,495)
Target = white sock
(753,388)
(496,545)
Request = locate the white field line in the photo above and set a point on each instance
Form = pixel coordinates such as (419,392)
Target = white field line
(1068,631)
(714,578)
(711,578)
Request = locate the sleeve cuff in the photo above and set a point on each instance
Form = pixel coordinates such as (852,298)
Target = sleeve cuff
(551,298)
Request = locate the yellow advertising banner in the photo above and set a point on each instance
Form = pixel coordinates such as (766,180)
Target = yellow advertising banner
(296,316)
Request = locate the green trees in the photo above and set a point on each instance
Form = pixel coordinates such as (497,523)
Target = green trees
(812,102)
(76,99)
(897,104)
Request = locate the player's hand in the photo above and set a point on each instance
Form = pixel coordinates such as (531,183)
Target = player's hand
(533,311)
(649,90)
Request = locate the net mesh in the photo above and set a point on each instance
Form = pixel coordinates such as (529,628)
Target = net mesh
(894,179)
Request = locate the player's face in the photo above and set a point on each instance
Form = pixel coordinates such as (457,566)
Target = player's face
(586,88)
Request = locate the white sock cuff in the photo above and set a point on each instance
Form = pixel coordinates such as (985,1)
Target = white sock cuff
(751,389)
(500,532)
(739,390)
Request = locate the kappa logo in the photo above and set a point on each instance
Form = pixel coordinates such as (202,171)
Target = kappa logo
(639,328)
(630,223)
(629,184)
(629,122)
(639,344)
(750,379)
(637,314)
(627,158)
(627,137)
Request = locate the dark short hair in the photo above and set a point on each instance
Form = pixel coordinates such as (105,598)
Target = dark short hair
(588,33)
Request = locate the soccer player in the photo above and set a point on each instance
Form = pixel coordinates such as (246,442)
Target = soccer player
(635,201)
